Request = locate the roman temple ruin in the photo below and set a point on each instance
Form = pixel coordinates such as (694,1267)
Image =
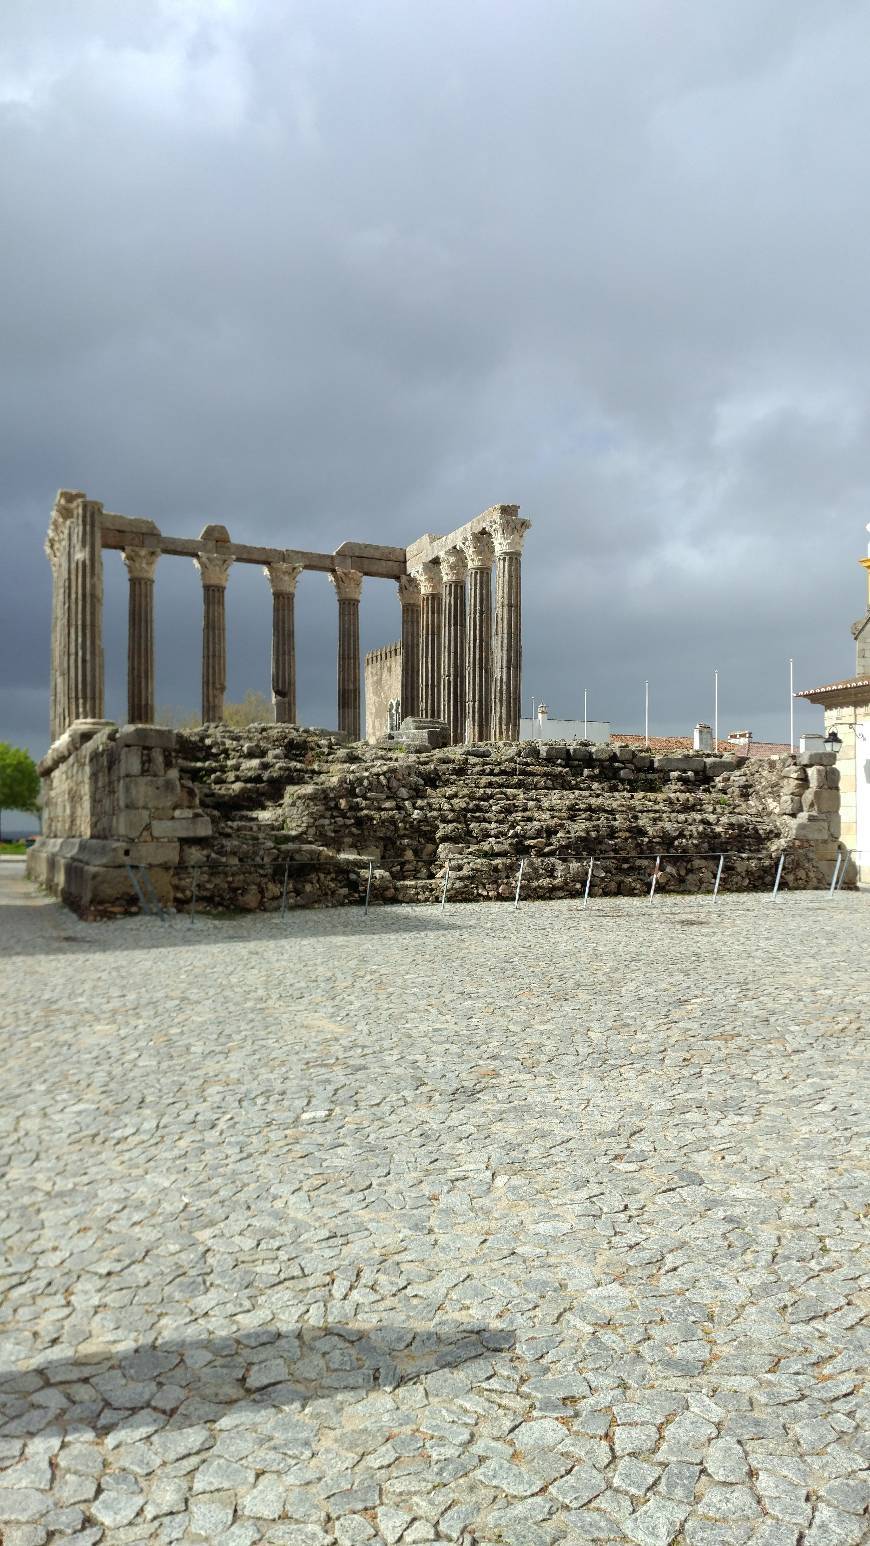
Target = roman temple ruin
(458,663)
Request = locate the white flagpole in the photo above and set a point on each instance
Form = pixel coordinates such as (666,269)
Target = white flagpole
(716,711)
(585,720)
(646,712)
(791,703)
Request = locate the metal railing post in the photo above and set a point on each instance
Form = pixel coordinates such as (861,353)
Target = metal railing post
(652,889)
(284,892)
(193,894)
(369,887)
(588,883)
(778,875)
(718,876)
(836,874)
(446,884)
(519,883)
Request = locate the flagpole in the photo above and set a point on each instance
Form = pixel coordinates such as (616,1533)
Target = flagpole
(716,711)
(585,720)
(791,703)
(646,712)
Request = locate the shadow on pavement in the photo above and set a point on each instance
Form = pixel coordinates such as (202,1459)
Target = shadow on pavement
(200,1380)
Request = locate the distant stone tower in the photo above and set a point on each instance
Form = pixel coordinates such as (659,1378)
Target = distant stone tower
(861,629)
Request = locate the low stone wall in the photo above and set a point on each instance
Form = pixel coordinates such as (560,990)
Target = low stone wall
(112,797)
(250,810)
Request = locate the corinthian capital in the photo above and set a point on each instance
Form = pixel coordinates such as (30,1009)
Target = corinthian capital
(507,529)
(141,562)
(409,591)
(453,566)
(478,549)
(428,577)
(282,578)
(348,583)
(213,570)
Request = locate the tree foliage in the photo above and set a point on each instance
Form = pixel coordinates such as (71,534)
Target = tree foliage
(254,709)
(19,780)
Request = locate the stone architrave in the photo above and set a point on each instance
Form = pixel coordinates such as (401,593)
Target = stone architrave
(214,571)
(508,530)
(282,579)
(348,587)
(141,564)
(453,666)
(479,552)
(412,607)
(431,588)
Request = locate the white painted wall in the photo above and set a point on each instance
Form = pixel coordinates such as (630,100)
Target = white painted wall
(549,729)
(862,798)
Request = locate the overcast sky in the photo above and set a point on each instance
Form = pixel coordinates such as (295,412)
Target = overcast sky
(330,270)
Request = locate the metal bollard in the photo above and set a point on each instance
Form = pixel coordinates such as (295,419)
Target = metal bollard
(652,889)
(588,883)
(284,892)
(369,888)
(446,884)
(718,876)
(836,874)
(519,883)
(778,875)
(846,857)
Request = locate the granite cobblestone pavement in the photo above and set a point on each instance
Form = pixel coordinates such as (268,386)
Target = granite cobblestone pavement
(486,1227)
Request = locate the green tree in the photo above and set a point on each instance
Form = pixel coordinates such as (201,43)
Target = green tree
(19,780)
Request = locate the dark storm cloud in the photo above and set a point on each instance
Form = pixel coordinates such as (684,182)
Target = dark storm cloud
(324,270)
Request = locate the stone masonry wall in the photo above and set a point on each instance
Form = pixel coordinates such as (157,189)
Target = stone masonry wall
(252,809)
(112,797)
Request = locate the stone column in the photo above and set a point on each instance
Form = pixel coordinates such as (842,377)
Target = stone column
(348,586)
(141,564)
(409,595)
(478,548)
(453,650)
(214,571)
(85,611)
(429,577)
(507,531)
(282,578)
(57,548)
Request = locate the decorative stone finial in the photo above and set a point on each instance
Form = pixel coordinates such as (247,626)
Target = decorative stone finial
(479,549)
(282,578)
(141,562)
(409,591)
(213,570)
(453,566)
(348,583)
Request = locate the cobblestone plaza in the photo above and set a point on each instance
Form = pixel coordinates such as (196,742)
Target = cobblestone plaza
(489,1226)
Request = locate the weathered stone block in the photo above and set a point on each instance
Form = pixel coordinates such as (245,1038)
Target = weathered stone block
(669,764)
(816,759)
(183,825)
(812,827)
(163,853)
(131,761)
(817,776)
(822,799)
(833,778)
(148,792)
(146,735)
(132,823)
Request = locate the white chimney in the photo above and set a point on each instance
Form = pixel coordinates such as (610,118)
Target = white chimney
(702,738)
(543,711)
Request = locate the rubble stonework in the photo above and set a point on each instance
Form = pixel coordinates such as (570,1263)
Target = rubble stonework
(240,804)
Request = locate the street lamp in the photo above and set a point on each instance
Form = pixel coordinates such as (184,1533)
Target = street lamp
(833,742)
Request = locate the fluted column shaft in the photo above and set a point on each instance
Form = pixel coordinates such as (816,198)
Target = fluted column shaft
(282,579)
(85,612)
(215,572)
(141,564)
(409,595)
(348,586)
(453,649)
(479,553)
(507,531)
(430,640)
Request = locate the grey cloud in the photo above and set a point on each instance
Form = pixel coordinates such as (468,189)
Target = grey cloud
(326,271)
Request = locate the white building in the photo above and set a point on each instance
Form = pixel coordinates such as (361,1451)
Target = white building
(544,728)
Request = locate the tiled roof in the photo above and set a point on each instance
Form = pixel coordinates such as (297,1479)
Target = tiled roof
(683,743)
(854,681)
